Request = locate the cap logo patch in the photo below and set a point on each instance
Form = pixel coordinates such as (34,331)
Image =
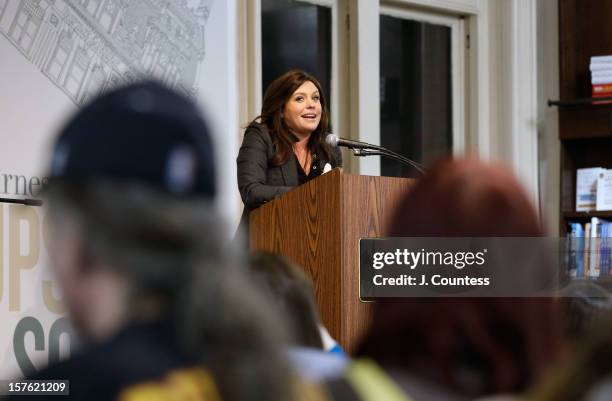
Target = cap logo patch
(180,169)
(59,159)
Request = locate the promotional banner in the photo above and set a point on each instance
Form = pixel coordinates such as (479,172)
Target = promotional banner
(56,55)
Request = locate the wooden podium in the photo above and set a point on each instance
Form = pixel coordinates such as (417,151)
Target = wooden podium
(318,225)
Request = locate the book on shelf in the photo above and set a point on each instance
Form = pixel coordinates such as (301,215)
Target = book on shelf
(586,188)
(605,249)
(595,247)
(580,250)
(601,59)
(603,195)
(600,67)
(601,77)
(575,248)
(601,90)
(589,249)
(601,80)
(601,74)
(586,261)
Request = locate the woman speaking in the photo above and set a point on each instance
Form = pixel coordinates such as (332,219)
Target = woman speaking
(285,146)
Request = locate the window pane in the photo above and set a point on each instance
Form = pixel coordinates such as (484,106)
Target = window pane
(415,92)
(296,34)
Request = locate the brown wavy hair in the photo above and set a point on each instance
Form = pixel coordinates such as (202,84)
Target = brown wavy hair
(277,95)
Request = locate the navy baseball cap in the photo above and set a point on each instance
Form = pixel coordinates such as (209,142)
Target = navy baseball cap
(143,133)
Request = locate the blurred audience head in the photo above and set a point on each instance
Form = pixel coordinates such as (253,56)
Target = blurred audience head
(466,198)
(129,174)
(292,291)
(134,236)
(472,346)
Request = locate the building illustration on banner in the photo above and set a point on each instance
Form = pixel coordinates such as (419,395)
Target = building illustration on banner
(87,46)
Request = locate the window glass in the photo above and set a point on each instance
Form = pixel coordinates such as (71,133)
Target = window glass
(415,92)
(296,34)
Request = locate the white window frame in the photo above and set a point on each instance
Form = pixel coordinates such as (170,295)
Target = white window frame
(458,64)
(478,106)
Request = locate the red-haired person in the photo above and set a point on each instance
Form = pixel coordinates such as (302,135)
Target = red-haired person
(450,348)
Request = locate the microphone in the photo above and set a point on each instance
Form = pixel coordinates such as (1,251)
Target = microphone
(366,149)
(335,141)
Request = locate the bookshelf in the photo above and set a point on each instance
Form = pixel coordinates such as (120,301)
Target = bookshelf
(585,125)
(585,128)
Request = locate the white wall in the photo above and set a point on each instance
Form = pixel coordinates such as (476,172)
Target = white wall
(548,117)
(219,95)
(513,88)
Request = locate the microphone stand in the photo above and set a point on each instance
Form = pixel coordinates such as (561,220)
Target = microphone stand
(379,151)
(27,202)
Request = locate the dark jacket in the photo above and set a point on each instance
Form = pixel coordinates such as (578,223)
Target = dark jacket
(143,355)
(258,179)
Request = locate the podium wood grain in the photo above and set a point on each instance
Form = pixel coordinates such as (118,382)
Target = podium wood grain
(318,225)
